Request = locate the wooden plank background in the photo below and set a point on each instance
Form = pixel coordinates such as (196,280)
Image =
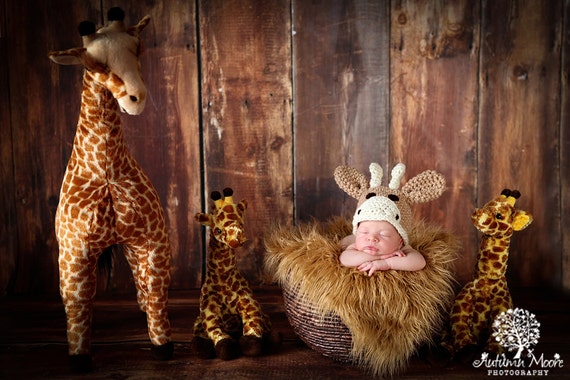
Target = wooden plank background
(269,97)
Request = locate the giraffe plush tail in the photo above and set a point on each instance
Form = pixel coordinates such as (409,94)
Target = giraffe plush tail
(105,263)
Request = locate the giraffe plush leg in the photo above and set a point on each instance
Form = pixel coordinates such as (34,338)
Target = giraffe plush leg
(502,302)
(78,282)
(152,276)
(212,322)
(139,278)
(252,318)
(202,346)
(461,319)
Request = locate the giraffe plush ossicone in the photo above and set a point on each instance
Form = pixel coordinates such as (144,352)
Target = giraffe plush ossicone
(227,304)
(487,295)
(106,199)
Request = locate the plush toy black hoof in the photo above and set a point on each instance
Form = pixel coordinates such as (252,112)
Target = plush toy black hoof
(227,349)
(251,345)
(467,354)
(272,341)
(437,356)
(163,352)
(81,363)
(203,348)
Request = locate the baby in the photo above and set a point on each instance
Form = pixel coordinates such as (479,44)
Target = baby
(378,241)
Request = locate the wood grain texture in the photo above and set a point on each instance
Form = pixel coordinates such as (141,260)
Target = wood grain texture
(518,132)
(565,149)
(434,103)
(246,111)
(341,99)
(8,230)
(269,97)
(165,139)
(44,106)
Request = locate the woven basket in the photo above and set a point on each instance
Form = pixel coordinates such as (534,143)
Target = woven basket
(326,335)
(324,304)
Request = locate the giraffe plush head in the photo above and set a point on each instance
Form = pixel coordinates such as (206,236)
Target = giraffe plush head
(499,218)
(424,187)
(111,55)
(226,220)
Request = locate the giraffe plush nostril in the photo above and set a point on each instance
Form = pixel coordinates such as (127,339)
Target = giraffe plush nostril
(133,98)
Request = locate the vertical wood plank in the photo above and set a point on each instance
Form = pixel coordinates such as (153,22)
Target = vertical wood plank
(565,149)
(44,107)
(246,109)
(341,86)
(519,133)
(434,102)
(165,139)
(8,254)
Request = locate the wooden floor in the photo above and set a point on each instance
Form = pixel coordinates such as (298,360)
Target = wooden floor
(33,345)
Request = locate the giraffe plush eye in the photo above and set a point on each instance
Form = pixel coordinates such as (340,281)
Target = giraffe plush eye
(499,216)
(218,231)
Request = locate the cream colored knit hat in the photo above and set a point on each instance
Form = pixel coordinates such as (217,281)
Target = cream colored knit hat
(380,208)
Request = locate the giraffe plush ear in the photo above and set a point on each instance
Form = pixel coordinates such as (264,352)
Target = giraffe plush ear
(242,205)
(351,180)
(521,220)
(68,57)
(204,219)
(424,187)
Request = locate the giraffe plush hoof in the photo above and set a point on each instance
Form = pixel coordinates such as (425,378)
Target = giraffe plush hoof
(163,352)
(272,341)
(438,356)
(467,354)
(203,348)
(251,345)
(81,363)
(227,349)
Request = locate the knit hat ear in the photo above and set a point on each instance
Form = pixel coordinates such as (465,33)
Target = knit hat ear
(380,208)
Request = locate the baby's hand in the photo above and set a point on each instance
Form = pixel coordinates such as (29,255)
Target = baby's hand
(399,253)
(373,266)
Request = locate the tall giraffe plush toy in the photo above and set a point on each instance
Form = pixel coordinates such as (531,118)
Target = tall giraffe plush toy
(487,295)
(226,300)
(105,198)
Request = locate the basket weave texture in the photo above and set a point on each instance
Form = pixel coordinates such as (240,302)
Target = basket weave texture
(374,322)
(325,334)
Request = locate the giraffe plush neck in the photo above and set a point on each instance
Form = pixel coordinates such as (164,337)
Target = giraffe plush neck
(106,198)
(497,221)
(226,300)
(487,295)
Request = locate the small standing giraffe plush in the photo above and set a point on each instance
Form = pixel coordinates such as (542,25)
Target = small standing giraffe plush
(487,295)
(226,300)
(106,198)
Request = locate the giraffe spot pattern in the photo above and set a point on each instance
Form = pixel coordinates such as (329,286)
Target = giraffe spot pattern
(101,185)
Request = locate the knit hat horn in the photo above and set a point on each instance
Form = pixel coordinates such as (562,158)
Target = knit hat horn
(380,208)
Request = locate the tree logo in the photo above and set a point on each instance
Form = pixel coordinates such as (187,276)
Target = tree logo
(516,329)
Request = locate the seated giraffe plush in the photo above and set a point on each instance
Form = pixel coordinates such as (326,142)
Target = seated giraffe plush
(227,304)
(487,295)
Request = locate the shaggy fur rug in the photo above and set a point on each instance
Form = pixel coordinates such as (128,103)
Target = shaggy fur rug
(389,314)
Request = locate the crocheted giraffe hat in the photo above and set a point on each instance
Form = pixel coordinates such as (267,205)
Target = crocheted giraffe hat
(388,203)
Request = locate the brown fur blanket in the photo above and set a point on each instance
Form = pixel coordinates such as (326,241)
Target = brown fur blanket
(389,314)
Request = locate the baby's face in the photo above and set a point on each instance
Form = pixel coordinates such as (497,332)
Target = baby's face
(377,238)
